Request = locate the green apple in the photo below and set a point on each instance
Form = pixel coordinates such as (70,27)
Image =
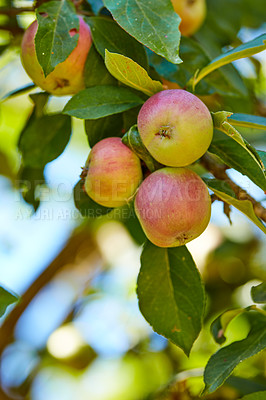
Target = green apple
(67,77)
(176,127)
(114,173)
(173,206)
(192,14)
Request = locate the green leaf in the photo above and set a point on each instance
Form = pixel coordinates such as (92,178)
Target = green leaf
(130,117)
(86,206)
(98,129)
(100,101)
(223,30)
(253,16)
(239,158)
(171,295)
(40,100)
(53,41)
(225,81)
(30,180)
(6,167)
(245,386)
(244,50)
(130,220)
(216,33)
(255,396)
(220,324)
(245,206)
(6,298)
(133,140)
(131,74)
(19,91)
(95,71)
(249,121)
(222,363)
(106,34)
(220,186)
(262,155)
(153,23)
(44,139)
(96,5)
(190,52)
(258,293)
(220,121)
(223,120)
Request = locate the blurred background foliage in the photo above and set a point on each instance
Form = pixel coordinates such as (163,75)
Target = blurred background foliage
(77,331)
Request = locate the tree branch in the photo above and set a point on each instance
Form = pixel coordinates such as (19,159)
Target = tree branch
(11,12)
(15,30)
(219,172)
(80,244)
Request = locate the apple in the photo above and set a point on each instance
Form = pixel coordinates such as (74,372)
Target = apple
(114,173)
(67,77)
(176,127)
(173,206)
(192,14)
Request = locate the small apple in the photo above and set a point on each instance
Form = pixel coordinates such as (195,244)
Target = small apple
(173,206)
(192,14)
(114,173)
(67,77)
(176,127)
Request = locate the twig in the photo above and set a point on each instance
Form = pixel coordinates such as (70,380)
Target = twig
(86,13)
(219,172)
(214,198)
(11,12)
(261,108)
(227,212)
(15,30)
(77,3)
(66,256)
(70,253)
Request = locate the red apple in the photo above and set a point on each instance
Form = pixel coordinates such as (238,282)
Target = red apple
(173,206)
(176,127)
(192,14)
(114,173)
(67,77)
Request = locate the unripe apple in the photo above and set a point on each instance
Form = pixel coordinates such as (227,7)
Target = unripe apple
(173,206)
(114,173)
(192,14)
(176,127)
(67,77)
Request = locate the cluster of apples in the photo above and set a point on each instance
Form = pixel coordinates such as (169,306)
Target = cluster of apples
(172,204)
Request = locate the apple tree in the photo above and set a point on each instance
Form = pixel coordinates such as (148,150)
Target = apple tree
(173,122)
